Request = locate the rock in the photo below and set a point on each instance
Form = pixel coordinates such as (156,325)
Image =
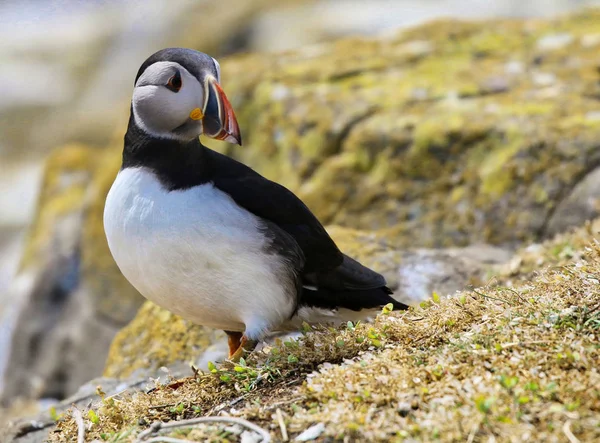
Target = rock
(415,274)
(552,42)
(71,297)
(457,145)
(167,340)
(35,427)
(311,433)
(425,271)
(158,338)
(582,203)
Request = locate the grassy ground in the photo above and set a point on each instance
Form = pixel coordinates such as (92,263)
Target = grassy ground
(509,363)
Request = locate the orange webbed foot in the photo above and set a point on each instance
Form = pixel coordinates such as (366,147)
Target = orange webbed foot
(239,345)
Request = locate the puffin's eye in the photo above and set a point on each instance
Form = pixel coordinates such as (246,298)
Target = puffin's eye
(174,83)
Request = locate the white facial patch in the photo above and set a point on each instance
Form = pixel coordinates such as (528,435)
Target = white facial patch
(218,66)
(159,110)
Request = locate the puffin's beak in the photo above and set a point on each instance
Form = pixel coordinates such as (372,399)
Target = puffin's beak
(219,121)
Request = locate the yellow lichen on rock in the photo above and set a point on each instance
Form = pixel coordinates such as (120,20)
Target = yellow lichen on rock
(66,175)
(72,297)
(375,133)
(155,338)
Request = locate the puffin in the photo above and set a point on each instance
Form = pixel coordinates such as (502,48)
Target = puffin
(208,238)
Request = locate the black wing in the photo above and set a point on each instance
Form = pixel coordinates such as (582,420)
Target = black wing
(331,279)
(275,203)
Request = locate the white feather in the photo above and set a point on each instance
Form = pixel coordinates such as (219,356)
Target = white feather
(158,110)
(196,253)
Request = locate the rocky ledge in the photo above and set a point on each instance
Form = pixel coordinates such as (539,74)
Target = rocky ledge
(512,361)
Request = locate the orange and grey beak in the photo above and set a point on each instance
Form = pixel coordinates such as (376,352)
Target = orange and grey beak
(218,119)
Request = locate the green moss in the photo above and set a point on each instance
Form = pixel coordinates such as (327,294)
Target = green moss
(527,108)
(496,178)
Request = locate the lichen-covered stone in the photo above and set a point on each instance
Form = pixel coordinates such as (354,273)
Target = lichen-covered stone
(67,174)
(156,338)
(72,297)
(446,134)
(583,200)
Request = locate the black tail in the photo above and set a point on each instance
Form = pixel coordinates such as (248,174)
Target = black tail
(350,285)
(356,300)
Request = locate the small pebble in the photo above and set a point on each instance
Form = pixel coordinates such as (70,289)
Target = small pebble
(543,78)
(553,42)
(495,85)
(590,40)
(593,116)
(404,409)
(250,437)
(514,68)
(311,433)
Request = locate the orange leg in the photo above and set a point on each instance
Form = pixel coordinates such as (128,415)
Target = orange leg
(239,344)
(233,340)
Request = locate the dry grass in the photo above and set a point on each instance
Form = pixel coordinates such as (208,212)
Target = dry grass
(561,250)
(502,363)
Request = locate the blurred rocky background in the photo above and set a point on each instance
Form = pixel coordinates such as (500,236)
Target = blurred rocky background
(472,137)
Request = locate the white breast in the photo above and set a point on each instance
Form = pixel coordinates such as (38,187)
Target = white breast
(196,253)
